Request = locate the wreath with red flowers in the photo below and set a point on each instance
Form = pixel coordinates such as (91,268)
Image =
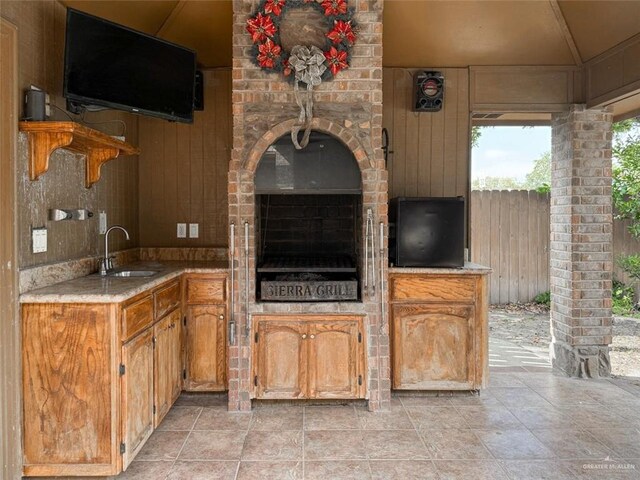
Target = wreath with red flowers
(264,28)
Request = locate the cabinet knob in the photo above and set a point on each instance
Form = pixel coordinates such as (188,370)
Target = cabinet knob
(221,317)
(312,336)
(304,335)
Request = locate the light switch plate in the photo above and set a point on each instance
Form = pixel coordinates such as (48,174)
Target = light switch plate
(182,230)
(39,240)
(193,230)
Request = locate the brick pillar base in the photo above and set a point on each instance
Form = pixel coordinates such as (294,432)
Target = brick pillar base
(581,241)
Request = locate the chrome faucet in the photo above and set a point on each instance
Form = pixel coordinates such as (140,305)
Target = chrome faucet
(106,263)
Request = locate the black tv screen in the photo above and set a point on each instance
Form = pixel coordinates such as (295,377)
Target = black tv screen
(108,65)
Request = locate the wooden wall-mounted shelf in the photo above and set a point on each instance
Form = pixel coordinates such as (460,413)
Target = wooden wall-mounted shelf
(98,148)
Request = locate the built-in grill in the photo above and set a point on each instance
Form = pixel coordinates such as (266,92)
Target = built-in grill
(337,264)
(309,222)
(306,279)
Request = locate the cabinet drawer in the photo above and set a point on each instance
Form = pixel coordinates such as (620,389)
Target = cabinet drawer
(136,317)
(433,288)
(167,299)
(205,290)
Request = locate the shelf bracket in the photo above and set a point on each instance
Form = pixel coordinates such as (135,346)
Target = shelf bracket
(95,158)
(41,146)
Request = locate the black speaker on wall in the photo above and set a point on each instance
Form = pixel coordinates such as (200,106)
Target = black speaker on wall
(198,98)
(428,92)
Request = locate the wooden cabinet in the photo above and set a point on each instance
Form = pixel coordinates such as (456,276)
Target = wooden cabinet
(308,357)
(439,331)
(92,374)
(205,298)
(137,394)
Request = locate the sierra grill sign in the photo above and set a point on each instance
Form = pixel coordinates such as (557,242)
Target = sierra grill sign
(309,291)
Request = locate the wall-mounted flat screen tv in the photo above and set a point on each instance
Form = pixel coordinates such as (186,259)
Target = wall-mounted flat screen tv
(111,66)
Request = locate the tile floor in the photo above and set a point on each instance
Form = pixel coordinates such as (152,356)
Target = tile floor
(530,424)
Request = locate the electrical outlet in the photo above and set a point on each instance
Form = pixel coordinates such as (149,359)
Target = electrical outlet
(182,230)
(39,240)
(102,228)
(193,230)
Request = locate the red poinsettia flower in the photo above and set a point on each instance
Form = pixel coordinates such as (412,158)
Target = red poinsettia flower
(260,28)
(342,31)
(337,60)
(286,68)
(334,7)
(274,6)
(268,52)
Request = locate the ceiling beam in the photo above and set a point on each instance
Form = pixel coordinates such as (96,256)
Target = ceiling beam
(171,18)
(564,28)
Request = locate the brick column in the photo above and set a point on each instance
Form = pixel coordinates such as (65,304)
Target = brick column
(581,241)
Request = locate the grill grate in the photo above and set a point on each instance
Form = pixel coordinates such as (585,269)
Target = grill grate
(307,264)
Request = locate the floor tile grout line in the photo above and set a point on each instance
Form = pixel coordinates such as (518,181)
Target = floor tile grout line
(575,427)
(435,469)
(244,442)
(185,441)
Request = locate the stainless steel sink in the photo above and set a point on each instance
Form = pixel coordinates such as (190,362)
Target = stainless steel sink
(133,273)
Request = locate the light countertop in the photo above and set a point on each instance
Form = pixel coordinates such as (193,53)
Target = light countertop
(98,289)
(468,268)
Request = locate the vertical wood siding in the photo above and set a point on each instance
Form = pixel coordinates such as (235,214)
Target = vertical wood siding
(431,150)
(183,171)
(510,234)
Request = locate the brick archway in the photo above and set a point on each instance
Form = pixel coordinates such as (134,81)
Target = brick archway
(347,138)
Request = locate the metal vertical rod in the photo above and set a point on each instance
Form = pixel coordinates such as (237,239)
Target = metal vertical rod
(246,279)
(382,295)
(232,254)
(366,254)
(373,256)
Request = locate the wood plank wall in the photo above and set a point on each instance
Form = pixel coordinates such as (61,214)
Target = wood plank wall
(510,234)
(431,151)
(183,171)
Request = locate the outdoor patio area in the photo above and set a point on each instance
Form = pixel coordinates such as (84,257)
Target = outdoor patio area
(530,424)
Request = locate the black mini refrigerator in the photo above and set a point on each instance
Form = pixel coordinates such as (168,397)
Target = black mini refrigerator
(426,231)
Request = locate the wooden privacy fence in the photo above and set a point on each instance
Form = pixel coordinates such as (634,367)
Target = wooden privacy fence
(510,234)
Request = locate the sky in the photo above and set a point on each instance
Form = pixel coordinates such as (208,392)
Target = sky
(509,151)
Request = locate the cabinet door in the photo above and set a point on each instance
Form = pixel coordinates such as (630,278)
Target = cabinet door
(206,348)
(163,364)
(137,394)
(70,403)
(334,360)
(433,347)
(280,362)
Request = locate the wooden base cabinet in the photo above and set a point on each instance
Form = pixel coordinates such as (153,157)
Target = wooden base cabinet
(439,331)
(301,357)
(97,379)
(205,298)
